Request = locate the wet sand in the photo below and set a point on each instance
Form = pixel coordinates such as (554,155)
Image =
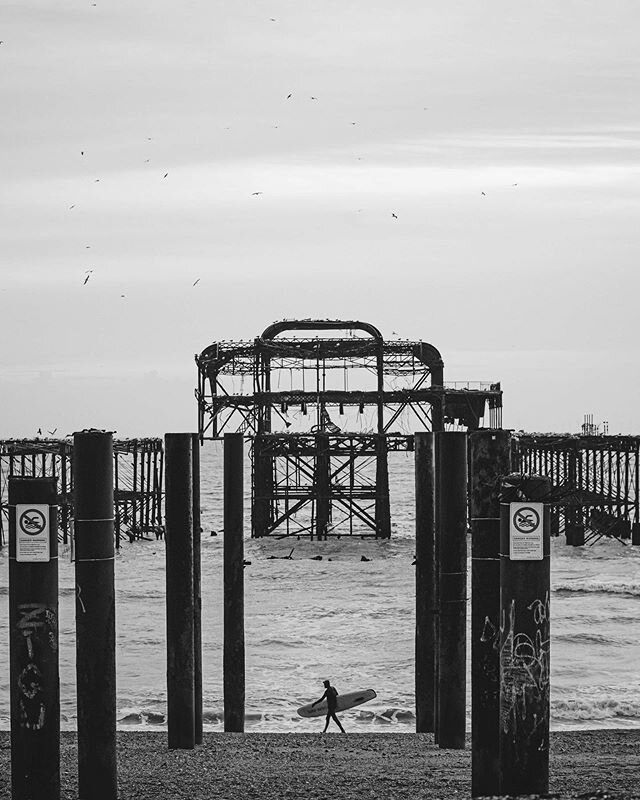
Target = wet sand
(355,765)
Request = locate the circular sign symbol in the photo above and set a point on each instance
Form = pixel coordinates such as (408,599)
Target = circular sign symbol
(526,520)
(32,522)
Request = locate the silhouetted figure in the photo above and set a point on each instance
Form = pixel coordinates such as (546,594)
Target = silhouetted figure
(331,695)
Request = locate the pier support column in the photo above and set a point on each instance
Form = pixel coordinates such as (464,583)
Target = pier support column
(180,593)
(451,532)
(489,455)
(33,639)
(322,481)
(233,655)
(95,614)
(197,589)
(524,636)
(425,581)
(383,511)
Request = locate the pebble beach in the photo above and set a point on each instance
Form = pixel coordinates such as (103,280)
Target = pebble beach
(583,764)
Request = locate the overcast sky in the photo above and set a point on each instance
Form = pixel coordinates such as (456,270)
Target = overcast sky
(504,136)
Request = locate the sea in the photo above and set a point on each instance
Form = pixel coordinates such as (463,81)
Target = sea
(342,618)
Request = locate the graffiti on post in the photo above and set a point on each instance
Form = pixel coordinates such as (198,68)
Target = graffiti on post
(525,668)
(38,626)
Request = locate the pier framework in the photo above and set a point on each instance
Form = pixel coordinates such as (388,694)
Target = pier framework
(323,403)
(595,482)
(138,468)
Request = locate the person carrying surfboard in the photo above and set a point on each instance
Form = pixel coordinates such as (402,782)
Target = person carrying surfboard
(331,695)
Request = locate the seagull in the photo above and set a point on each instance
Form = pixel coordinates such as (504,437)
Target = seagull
(87,247)
(39,431)
(289,95)
(51,433)
(484,194)
(514,184)
(73,206)
(82,152)
(313,98)
(97,180)
(89,271)
(165,174)
(395,216)
(197,280)
(253,194)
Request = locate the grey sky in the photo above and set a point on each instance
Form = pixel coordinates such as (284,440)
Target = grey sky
(533,284)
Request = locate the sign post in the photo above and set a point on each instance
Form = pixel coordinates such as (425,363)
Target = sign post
(524,644)
(33,646)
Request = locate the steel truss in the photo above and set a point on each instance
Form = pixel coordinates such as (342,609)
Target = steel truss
(300,393)
(595,479)
(138,466)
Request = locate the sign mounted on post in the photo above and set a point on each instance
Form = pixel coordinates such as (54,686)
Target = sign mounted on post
(526,531)
(32,532)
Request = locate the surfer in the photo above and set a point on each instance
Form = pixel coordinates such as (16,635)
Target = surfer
(331,696)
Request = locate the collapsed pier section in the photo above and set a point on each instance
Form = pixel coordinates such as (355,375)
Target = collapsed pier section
(323,403)
(138,476)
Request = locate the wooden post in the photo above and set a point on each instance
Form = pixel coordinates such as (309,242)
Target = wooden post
(524,643)
(197,589)
(383,511)
(451,530)
(33,641)
(322,476)
(233,657)
(95,614)
(179,576)
(489,455)
(425,581)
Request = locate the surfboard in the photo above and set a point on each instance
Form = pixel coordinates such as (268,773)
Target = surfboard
(344,701)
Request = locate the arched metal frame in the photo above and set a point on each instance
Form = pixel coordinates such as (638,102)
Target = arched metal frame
(333,479)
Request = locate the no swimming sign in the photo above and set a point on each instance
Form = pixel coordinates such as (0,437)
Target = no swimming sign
(526,531)
(32,532)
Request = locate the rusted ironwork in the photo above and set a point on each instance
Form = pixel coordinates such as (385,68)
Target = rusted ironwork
(595,482)
(323,403)
(138,466)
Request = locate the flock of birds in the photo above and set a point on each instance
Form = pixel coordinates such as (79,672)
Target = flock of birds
(89,272)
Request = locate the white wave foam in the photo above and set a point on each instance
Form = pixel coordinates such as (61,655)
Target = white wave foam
(631,588)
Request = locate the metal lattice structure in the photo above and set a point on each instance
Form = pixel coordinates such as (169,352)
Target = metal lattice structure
(138,466)
(323,402)
(595,479)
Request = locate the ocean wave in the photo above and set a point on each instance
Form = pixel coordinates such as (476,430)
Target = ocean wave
(631,589)
(595,708)
(588,637)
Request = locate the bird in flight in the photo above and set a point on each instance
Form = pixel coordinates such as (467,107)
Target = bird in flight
(165,174)
(289,95)
(395,216)
(51,433)
(253,194)
(88,275)
(313,98)
(39,431)
(484,194)
(73,206)
(197,280)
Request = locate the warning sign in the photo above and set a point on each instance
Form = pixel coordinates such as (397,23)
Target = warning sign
(526,531)
(32,532)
